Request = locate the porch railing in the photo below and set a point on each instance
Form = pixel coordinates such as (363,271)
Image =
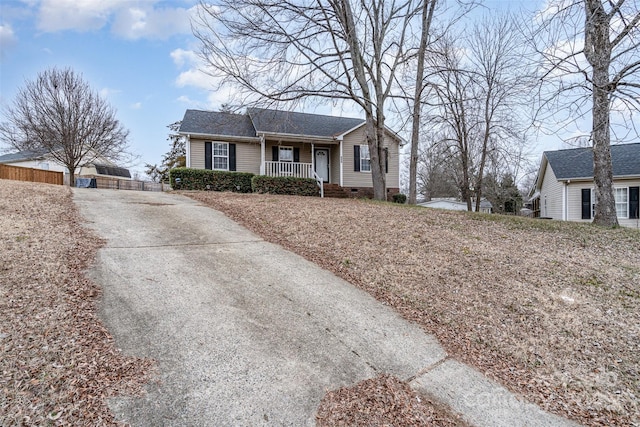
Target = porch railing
(295,169)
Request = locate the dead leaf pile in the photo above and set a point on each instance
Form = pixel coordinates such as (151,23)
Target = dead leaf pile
(382,401)
(549,309)
(58,363)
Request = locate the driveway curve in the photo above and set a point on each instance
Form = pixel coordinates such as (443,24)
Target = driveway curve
(248,334)
(244,332)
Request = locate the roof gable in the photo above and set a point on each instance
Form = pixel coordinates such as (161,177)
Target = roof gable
(217,123)
(578,162)
(291,123)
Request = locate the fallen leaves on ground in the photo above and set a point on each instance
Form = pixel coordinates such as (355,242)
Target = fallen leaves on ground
(382,401)
(58,363)
(551,310)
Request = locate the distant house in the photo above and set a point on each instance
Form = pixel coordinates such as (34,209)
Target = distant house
(564,187)
(41,159)
(281,143)
(453,204)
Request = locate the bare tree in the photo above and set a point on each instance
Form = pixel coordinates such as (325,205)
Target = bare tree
(176,156)
(334,49)
(60,114)
(428,8)
(501,86)
(590,61)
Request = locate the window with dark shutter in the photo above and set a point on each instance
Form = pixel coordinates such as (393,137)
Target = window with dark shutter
(232,157)
(634,205)
(275,150)
(356,158)
(586,203)
(208,162)
(296,154)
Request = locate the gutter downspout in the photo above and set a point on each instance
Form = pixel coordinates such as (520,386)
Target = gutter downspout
(313,159)
(188,151)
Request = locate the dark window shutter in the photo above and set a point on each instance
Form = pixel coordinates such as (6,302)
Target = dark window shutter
(386,160)
(208,163)
(232,157)
(634,205)
(356,158)
(296,154)
(586,203)
(275,153)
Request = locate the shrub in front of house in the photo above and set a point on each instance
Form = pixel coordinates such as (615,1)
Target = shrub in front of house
(399,198)
(284,185)
(204,179)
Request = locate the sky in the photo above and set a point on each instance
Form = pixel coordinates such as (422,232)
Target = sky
(139,55)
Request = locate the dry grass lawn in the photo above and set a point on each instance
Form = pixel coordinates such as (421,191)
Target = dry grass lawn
(58,363)
(551,310)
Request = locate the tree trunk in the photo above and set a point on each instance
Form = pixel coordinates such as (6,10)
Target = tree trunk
(598,52)
(427,15)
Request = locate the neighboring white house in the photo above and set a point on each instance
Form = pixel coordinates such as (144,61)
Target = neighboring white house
(453,204)
(41,159)
(564,187)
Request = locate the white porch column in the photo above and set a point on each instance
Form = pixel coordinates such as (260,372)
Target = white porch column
(313,159)
(341,168)
(262,154)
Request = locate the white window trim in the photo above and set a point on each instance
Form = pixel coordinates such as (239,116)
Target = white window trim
(287,148)
(365,158)
(615,190)
(214,156)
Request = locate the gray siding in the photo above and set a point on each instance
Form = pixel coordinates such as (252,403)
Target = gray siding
(574,202)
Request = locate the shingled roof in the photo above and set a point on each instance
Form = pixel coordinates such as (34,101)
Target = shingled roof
(217,123)
(578,162)
(23,156)
(259,120)
(287,122)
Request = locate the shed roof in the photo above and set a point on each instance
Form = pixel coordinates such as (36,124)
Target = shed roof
(578,162)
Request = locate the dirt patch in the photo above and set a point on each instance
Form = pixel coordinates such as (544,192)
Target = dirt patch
(549,309)
(58,362)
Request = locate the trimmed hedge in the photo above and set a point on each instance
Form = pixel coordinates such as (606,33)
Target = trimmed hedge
(285,185)
(399,198)
(204,179)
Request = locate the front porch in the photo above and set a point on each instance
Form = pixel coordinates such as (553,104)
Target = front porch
(320,160)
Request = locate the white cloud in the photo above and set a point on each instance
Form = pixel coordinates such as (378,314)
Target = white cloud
(146,22)
(131,19)
(195,75)
(136,106)
(108,92)
(7,37)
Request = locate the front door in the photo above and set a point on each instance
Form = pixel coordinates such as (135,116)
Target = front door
(322,163)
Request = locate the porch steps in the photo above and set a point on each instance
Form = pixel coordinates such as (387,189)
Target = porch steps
(335,191)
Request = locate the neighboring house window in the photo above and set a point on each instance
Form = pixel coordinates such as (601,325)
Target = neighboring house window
(219,156)
(365,159)
(622,202)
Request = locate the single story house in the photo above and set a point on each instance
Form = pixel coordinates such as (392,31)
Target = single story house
(453,204)
(283,143)
(41,159)
(564,187)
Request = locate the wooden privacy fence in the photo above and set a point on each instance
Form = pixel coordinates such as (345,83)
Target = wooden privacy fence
(18,173)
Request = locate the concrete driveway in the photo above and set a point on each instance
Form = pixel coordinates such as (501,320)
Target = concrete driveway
(246,333)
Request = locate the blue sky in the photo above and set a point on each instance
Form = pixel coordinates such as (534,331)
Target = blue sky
(139,54)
